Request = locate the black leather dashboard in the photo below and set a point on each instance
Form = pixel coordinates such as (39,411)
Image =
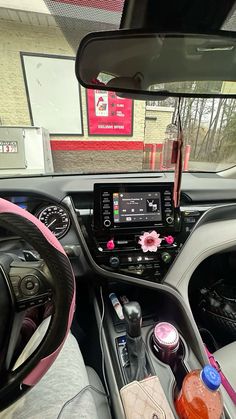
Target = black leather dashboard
(203,190)
(196,187)
(200,192)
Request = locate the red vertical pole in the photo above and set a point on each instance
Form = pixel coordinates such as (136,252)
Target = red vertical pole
(153,157)
(149,156)
(161,157)
(186,157)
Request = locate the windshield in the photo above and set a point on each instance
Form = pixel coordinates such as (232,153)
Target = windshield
(50,124)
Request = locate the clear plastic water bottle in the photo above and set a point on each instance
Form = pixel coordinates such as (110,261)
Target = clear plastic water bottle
(200,397)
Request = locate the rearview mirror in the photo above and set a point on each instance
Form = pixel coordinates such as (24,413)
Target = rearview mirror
(158,64)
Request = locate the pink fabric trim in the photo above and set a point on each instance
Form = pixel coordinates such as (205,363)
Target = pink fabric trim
(6,206)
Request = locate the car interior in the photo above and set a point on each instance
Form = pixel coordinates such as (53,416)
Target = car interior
(93,261)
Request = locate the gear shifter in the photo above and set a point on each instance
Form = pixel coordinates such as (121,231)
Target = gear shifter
(133,318)
(137,369)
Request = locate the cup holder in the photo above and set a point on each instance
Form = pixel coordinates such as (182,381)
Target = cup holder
(170,351)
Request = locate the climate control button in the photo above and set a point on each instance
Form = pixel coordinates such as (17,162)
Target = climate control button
(166,257)
(114,261)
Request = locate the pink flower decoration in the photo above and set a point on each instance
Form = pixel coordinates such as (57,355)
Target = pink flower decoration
(110,245)
(169,239)
(150,241)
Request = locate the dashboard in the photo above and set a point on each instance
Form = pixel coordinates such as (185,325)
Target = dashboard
(205,224)
(101,218)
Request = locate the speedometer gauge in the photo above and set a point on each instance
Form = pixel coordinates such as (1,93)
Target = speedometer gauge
(56,219)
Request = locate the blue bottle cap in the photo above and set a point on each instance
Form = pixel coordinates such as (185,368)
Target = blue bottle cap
(211,377)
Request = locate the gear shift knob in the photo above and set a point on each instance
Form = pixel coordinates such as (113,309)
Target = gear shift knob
(133,318)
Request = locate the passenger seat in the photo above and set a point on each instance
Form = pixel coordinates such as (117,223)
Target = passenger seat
(226,357)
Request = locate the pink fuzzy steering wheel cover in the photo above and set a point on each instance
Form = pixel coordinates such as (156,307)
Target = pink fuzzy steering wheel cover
(7,207)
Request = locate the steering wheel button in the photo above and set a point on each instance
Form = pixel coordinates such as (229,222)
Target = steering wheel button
(15,280)
(16,292)
(29,285)
(40,301)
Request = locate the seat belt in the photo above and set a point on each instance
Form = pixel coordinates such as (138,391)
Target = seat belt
(225,383)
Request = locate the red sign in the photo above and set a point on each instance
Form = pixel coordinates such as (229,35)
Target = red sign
(111,5)
(109,114)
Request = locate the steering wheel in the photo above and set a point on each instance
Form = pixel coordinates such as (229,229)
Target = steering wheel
(25,285)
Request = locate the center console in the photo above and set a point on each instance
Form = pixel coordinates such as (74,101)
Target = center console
(165,346)
(124,212)
(121,214)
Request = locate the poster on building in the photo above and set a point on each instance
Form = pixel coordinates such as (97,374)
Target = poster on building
(53,93)
(109,114)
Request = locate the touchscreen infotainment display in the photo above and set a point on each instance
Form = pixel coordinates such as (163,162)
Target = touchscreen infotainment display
(136,207)
(123,206)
